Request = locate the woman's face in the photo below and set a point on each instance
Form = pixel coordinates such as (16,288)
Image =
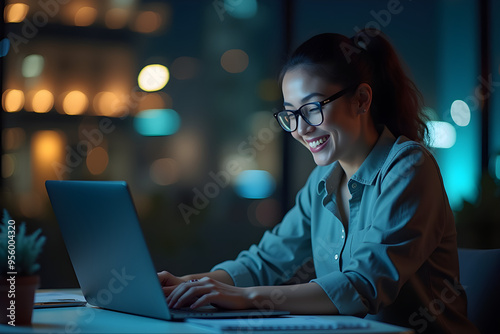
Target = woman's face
(335,138)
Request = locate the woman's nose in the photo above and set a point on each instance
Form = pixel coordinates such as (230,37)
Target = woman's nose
(303,127)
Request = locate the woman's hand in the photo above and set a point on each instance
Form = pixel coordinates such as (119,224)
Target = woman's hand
(169,282)
(200,292)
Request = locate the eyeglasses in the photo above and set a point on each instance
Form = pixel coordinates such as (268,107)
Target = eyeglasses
(311,112)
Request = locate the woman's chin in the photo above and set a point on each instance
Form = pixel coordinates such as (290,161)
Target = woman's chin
(322,160)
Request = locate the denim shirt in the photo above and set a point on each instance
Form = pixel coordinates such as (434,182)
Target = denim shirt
(398,256)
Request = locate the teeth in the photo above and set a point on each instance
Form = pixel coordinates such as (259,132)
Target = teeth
(315,143)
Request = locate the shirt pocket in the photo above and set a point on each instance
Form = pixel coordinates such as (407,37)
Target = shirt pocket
(356,240)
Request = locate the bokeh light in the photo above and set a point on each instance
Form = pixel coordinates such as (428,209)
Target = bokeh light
(441,134)
(12,100)
(4,47)
(254,184)
(8,165)
(13,138)
(497,166)
(184,68)
(165,171)
(241,9)
(116,18)
(106,104)
(85,16)
(75,103)
(32,66)
(147,22)
(15,13)
(43,101)
(234,61)
(97,160)
(47,153)
(153,77)
(460,113)
(157,122)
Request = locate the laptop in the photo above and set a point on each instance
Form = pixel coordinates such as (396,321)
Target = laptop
(101,230)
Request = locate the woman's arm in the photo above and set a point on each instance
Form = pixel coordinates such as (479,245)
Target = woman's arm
(307,298)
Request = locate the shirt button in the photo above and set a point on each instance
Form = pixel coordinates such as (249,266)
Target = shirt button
(354,186)
(336,257)
(342,237)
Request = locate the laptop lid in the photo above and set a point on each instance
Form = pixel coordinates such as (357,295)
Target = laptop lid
(101,230)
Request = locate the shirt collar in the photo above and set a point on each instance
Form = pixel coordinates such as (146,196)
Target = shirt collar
(369,169)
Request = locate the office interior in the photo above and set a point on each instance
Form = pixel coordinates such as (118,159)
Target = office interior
(176,98)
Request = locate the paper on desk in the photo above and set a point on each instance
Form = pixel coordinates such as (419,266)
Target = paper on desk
(286,323)
(53,299)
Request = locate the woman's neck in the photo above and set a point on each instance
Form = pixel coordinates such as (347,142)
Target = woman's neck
(361,148)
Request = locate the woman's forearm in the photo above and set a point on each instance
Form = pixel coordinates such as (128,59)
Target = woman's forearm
(307,298)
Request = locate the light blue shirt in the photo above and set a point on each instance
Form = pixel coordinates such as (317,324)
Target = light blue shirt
(398,255)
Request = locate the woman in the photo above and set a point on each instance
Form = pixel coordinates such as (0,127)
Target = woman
(373,216)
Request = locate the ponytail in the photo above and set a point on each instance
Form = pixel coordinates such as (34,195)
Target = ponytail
(367,57)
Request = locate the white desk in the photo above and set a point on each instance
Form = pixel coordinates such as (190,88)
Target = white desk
(94,320)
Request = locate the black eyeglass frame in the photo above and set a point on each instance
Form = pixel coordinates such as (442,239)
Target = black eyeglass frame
(319,104)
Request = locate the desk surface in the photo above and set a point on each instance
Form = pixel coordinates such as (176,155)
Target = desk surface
(95,320)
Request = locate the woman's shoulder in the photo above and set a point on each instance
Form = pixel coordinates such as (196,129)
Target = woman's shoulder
(406,154)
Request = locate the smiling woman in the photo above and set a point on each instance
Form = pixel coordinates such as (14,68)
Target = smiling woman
(373,216)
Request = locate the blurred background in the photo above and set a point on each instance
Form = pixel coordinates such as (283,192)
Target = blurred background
(176,98)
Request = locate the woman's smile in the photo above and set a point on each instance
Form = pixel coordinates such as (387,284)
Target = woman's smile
(318,143)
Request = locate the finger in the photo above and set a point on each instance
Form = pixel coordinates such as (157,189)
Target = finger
(167,290)
(177,293)
(164,277)
(191,295)
(204,300)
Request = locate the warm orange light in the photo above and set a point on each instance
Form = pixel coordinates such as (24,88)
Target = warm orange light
(97,160)
(116,18)
(106,104)
(12,100)
(75,103)
(43,101)
(147,22)
(85,16)
(47,156)
(46,147)
(165,171)
(234,61)
(16,12)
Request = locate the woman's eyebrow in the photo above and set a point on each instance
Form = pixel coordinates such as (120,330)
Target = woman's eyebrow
(304,99)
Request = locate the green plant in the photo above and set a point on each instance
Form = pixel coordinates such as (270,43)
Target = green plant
(25,249)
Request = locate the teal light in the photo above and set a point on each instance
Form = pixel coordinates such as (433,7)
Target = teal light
(241,9)
(157,122)
(4,47)
(497,167)
(254,184)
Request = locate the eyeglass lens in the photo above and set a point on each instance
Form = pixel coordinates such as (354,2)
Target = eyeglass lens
(311,113)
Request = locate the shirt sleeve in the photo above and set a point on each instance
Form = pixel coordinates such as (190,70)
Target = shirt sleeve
(407,225)
(280,252)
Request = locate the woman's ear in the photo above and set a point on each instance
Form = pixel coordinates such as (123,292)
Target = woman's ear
(363,98)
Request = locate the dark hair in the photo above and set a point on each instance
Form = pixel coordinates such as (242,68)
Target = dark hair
(368,57)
